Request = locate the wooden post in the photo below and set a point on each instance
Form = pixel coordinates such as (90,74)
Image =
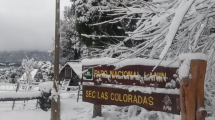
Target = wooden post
(55,105)
(97,108)
(79,88)
(17,88)
(192,92)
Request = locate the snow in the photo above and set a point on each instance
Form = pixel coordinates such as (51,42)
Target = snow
(148,90)
(33,73)
(135,61)
(179,15)
(201,109)
(99,61)
(146,62)
(26,114)
(77,67)
(46,86)
(154,90)
(20,94)
(55,94)
(185,66)
(193,56)
(184,69)
(12,87)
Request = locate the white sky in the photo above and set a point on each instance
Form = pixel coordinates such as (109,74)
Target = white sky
(28,24)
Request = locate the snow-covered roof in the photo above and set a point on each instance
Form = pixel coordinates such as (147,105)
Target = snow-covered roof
(33,73)
(76,66)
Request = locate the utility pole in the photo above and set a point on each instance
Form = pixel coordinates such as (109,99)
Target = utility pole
(55,104)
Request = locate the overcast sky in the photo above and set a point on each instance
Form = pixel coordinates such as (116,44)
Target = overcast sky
(28,24)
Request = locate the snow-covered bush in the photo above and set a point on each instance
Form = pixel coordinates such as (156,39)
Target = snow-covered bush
(11,74)
(46,68)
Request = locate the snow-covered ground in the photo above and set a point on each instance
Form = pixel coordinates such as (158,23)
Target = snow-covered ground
(71,110)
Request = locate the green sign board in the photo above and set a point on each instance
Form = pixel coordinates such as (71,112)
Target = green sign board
(88,74)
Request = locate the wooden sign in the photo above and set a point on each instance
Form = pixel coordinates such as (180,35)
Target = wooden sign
(138,75)
(121,97)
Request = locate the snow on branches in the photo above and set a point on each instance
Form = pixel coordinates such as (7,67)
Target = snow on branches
(167,28)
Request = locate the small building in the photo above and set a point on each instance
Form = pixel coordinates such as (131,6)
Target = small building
(70,74)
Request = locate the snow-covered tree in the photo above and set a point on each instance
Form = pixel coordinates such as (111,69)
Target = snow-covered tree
(88,14)
(70,44)
(165,28)
(28,66)
(47,70)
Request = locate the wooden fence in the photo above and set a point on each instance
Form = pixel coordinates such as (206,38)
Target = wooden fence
(19,92)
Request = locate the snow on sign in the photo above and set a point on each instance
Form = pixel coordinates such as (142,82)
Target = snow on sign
(138,75)
(122,97)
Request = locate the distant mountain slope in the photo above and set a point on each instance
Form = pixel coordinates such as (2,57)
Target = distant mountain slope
(18,56)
